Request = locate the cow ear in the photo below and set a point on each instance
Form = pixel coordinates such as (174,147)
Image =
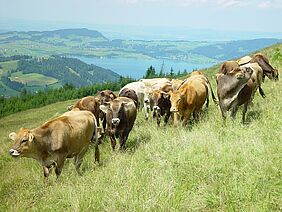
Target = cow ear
(30,136)
(165,95)
(102,93)
(70,107)
(104,108)
(12,136)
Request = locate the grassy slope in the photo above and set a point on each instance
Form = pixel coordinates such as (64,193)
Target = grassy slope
(203,167)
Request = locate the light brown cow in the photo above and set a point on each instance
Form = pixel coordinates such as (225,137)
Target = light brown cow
(66,136)
(176,84)
(89,103)
(201,76)
(188,100)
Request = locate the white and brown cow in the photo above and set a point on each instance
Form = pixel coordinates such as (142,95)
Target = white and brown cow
(66,136)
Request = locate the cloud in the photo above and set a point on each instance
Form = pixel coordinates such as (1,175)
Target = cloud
(231,3)
(262,4)
(277,4)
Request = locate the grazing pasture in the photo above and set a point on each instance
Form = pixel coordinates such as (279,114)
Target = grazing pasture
(203,166)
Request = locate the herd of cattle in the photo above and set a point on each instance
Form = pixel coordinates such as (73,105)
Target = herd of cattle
(70,134)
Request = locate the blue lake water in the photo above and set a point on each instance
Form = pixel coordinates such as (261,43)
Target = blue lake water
(136,68)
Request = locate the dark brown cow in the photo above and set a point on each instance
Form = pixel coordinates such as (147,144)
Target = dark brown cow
(120,115)
(161,105)
(233,92)
(263,62)
(130,93)
(89,103)
(66,136)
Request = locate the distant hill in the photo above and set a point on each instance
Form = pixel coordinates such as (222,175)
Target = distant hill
(85,42)
(233,49)
(52,72)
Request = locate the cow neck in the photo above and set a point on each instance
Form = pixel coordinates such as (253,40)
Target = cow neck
(39,146)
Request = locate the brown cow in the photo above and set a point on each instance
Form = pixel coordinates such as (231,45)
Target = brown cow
(263,62)
(66,136)
(130,93)
(176,84)
(234,66)
(89,103)
(200,75)
(228,66)
(233,92)
(104,97)
(188,99)
(161,105)
(120,115)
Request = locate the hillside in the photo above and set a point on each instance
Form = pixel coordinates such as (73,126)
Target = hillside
(202,167)
(85,42)
(36,74)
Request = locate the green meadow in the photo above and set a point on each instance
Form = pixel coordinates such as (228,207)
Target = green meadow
(204,166)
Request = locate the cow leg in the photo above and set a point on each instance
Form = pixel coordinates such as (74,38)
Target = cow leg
(113,142)
(245,108)
(176,118)
(207,100)
(233,113)
(59,165)
(223,113)
(167,115)
(104,122)
(79,159)
(123,139)
(158,118)
(46,171)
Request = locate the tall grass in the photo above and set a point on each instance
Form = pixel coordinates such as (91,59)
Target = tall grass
(204,166)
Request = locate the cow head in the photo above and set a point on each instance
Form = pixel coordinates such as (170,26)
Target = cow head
(114,113)
(23,142)
(70,107)
(176,98)
(106,96)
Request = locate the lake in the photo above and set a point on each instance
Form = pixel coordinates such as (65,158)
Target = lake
(136,68)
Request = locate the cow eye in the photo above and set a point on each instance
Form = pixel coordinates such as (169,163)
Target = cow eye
(24,140)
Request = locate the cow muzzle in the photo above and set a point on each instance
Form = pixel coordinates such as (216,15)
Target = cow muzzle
(115,121)
(156,108)
(173,110)
(146,101)
(14,153)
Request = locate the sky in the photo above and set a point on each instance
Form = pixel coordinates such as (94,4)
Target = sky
(240,15)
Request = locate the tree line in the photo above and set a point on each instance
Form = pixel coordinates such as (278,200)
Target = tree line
(27,100)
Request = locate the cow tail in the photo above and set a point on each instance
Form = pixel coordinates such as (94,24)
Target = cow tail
(95,141)
(213,96)
(262,92)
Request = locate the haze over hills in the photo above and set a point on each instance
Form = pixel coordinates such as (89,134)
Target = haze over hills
(87,42)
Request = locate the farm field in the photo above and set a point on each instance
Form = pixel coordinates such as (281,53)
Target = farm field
(204,166)
(34,79)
